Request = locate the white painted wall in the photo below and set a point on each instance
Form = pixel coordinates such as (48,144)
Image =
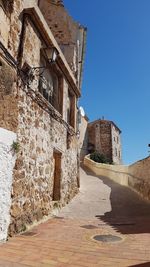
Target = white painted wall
(7,162)
(83,142)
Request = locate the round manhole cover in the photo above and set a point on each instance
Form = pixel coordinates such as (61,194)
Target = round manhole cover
(107,238)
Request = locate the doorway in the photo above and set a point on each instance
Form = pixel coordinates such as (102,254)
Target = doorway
(57,176)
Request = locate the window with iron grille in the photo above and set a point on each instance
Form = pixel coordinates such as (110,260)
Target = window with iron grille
(51,85)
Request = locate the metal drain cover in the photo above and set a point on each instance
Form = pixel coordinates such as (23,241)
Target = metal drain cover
(90,226)
(107,238)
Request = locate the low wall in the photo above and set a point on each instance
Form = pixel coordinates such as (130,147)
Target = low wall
(117,173)
(136,176)
(7,162)
(139,177)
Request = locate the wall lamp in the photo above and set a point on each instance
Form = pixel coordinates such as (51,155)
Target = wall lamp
(51,54)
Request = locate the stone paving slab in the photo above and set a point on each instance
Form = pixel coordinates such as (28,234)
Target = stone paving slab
(66,240)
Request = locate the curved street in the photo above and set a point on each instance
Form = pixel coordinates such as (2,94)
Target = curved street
(102,207)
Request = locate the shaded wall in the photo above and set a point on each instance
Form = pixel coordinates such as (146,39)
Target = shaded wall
(139,178)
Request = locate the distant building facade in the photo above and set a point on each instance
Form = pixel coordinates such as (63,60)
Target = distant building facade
(104,137)
(83,139)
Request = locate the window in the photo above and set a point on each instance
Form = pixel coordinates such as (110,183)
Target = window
(71,109)
(51,86)
(116,152)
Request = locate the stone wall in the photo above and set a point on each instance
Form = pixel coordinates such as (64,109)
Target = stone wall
(11,24)
(68,33)
(91,138)
(99,135)
(7,161)
(104,137)
(39,134)
(117,173)
(136,176)
(8,97)
(139,178)
(4,26)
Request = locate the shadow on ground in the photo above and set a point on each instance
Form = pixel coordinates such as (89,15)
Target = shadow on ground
(130,214)
(147,264)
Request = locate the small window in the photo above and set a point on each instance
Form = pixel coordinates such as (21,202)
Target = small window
(116,152)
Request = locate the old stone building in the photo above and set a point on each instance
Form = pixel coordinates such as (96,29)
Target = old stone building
(83,138)
(41,61)
(104,137)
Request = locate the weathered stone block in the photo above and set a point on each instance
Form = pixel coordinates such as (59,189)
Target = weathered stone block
(7,78)
(15,210)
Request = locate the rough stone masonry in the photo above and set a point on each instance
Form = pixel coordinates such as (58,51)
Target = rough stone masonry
(38,103)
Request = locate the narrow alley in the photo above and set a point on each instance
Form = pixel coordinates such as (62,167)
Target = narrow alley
(101,208)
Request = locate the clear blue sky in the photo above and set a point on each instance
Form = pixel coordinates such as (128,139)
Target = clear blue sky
(116,81)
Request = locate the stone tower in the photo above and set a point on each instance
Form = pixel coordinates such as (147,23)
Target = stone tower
(104,137)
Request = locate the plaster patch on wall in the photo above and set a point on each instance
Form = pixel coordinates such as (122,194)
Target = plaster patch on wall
(7,162)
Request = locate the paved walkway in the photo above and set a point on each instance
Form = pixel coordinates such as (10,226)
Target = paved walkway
(101,208)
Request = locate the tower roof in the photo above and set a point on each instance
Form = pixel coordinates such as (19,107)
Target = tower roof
(105,121)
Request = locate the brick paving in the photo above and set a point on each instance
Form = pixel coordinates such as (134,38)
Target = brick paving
(66,240)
